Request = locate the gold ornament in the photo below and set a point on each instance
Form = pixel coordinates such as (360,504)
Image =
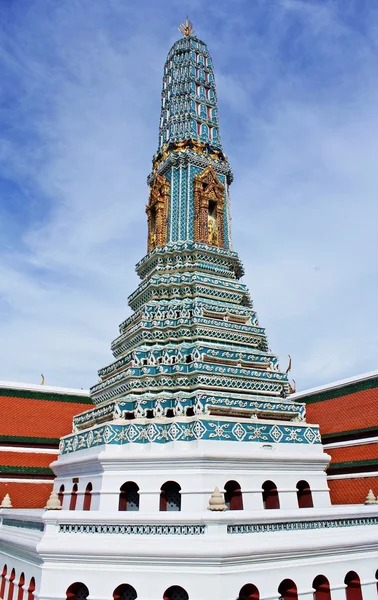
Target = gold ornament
(157,212)
(179,146)
(198,147)
(208,207)
(213,234)
(186,28)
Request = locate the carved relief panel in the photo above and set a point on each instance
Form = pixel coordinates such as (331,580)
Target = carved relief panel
(208,209)
(157,212)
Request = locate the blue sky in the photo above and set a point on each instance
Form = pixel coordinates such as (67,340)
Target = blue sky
(297,84)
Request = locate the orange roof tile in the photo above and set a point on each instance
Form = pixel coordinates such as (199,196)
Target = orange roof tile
(345,413)
(26,495)
(30,417)
(362,452)
(352,491)
(26,459)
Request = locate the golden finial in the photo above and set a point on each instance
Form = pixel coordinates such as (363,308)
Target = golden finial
(186,28)
(43,380)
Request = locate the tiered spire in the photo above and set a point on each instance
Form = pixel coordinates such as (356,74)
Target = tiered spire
(189,101)
(189,144)
(193,347)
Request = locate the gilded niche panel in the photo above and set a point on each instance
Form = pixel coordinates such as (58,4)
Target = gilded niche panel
(157,212)
(208,208)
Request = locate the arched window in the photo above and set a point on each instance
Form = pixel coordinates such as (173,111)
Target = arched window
(202,111)
(233,496)
(204,130)
(250,592)
(3,580)
(87,497)
(270,496)
(125,592)
(21,583)
(31,589)
(170,497)
(353,586)
(73,497)
(129,496)
(61,494)
(77,591)
(304,495)
(321,588)
(288,590)
(11,584)
(175,592)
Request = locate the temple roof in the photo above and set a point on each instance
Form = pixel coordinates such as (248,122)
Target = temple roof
(42,388)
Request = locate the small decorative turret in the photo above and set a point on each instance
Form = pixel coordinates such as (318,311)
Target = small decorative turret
(53,503)
(7,502)
(370,498)
(216,501)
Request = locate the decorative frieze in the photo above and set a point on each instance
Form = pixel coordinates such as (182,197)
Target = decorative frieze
(191,429)
(23,524)
(133,529)
(301,525)
(184,251)
(180,402)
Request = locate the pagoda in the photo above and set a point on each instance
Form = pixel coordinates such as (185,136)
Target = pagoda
(195,474)
(192,362)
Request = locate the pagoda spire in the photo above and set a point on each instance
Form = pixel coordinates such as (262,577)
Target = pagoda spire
(193,347)
(189,102)
(190,177)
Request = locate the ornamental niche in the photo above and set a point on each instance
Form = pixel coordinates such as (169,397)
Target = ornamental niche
(208,209)
(157,212)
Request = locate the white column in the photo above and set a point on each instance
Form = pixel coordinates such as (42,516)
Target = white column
(306,595)
(195,501)
(321,498)
(338,593)
(149,501)
(108,501)
(253,499)
(6,585)
(288,498)
(369,590)
(25,592)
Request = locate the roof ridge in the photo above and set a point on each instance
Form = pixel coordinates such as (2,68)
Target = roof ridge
(335,384)
(33,387)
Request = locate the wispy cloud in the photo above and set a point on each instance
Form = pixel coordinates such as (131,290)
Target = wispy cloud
(80,103)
